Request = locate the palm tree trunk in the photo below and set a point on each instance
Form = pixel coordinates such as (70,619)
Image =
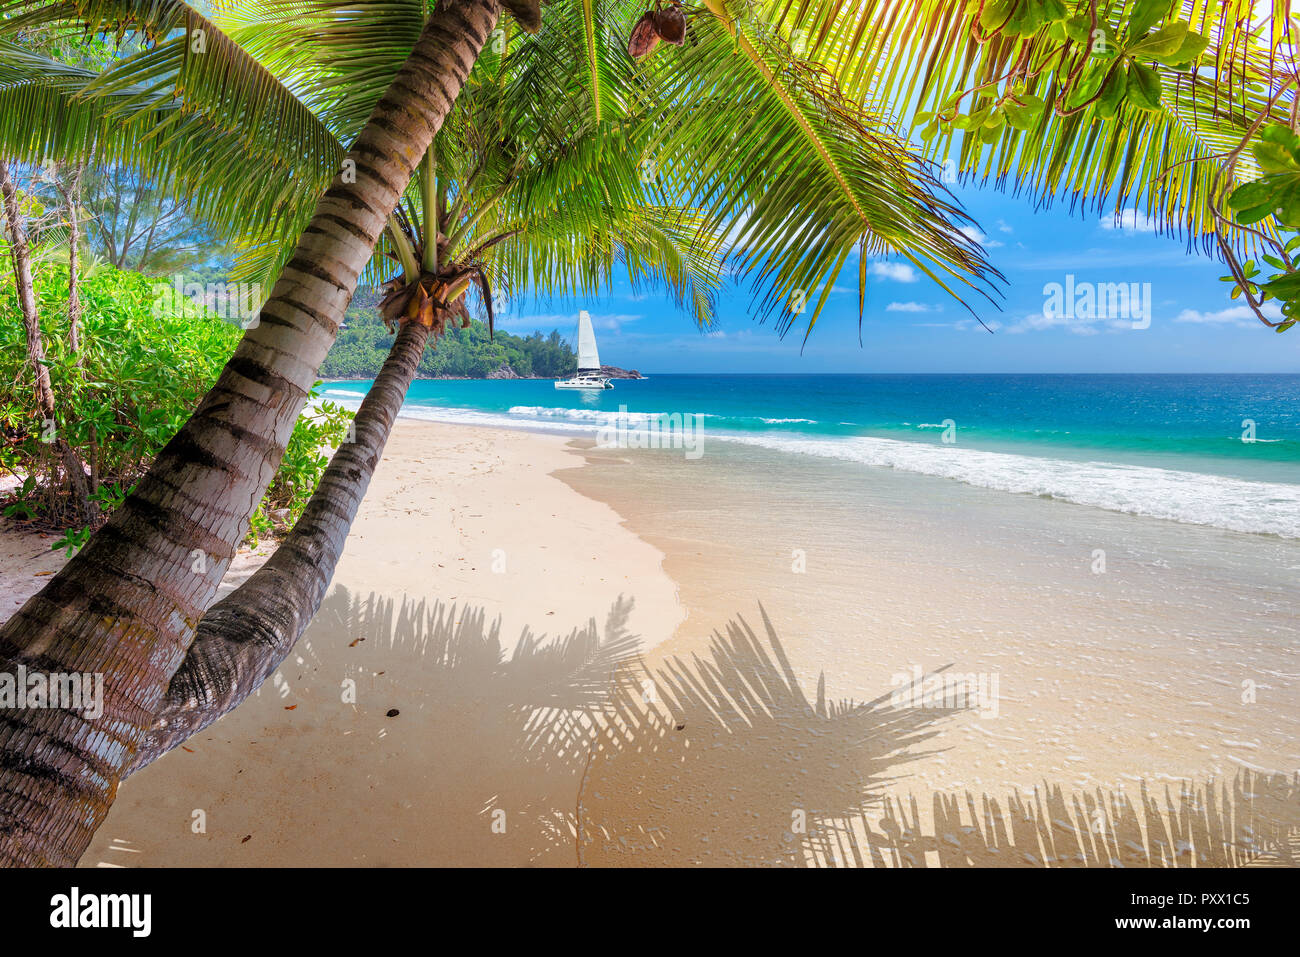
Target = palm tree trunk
(243,638)
(128,605)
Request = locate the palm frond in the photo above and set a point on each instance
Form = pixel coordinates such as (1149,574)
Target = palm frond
(914,57)
(804,176)
(51,110)
(187,61)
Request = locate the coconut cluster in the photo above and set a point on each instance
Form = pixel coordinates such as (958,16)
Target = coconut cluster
(666,23)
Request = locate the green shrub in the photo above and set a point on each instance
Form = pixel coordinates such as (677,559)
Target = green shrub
(146,360)
(321,424)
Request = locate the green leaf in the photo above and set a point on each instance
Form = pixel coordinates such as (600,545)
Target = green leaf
(1022,116)
(1162,43)
(1193,46)
(995,14)
(1112,93)
(1028,18)
(1259,192)
(1077,27)
(1285,287)
(1055,10)
(1273,157)
(1087,85)
(1144,87)
(1254,214)
(1288,210)
(1277,133)
(1145,14)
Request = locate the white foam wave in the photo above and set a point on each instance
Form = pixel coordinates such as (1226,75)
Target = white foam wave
(603,415)
(597,417)
(1189,497)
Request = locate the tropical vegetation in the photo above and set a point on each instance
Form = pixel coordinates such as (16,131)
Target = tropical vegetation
(145,361)
(364,343)
(442,149)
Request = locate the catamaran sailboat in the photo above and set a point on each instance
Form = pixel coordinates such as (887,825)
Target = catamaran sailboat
(588,376)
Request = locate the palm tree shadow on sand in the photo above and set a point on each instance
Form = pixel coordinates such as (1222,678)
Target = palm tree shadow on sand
(1252,820)
(553,739)
(406,733)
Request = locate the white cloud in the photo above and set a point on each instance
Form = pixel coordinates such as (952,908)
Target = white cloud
(1130,220)
(961,325)
(1003,227)
(1037,322)
(1233,316)
(976,235)
(973,324)
(614,321)
(898,272)
(566,323)
(907,307)
(1075,325)
(715,334)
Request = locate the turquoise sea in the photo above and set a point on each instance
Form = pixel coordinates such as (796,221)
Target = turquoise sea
(1216,450)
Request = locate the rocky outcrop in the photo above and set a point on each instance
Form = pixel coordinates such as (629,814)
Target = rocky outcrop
(614,372)
(503,371)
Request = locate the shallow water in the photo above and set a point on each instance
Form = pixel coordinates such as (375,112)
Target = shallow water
(1218,450)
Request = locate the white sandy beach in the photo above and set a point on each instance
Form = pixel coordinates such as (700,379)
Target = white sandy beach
(730,752)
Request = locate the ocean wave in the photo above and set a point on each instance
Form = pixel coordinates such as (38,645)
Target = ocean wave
(513,419)
(598,416)
(1189,497)
(604,415)
(347,392)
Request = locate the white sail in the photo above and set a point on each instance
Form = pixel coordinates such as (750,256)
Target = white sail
(588,357)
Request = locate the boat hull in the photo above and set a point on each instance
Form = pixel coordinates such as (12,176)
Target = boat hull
(586,384)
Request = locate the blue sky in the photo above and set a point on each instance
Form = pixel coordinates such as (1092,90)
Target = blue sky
(911,325)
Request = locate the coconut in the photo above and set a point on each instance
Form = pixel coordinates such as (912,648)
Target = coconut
(670,24)
(645,37)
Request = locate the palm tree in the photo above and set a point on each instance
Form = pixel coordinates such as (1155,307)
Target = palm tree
(507,225)
(128,604)
(784,137)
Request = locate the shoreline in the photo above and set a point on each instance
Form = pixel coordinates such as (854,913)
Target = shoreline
(1194,476)
(1010,589)
(644,739)
(471,590)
